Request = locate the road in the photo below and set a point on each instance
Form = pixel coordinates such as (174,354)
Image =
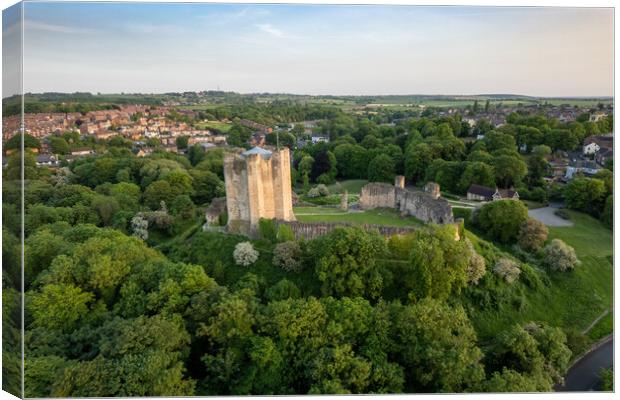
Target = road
(583,376)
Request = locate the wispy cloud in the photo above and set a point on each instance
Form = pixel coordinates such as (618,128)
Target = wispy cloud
(42,26)
(270,29)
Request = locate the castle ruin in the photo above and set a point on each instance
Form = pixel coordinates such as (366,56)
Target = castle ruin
(427,205)
(258,185)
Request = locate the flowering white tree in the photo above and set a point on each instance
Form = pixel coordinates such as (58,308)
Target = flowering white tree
(140,227)
(245,254)
(507,269)
(559,256)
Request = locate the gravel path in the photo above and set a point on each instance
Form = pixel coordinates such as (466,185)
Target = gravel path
(546,216)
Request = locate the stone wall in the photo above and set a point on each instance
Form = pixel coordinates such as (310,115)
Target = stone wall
(311,230)
(377,195)
(428,207)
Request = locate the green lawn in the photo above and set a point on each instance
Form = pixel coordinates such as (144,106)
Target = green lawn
(571,300)
(377,217)
(317,210)
(602,328)
(353,186)
(215,125)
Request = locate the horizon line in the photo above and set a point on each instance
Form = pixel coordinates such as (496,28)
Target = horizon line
(321,95)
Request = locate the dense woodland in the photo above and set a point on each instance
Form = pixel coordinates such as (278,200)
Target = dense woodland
(127,296)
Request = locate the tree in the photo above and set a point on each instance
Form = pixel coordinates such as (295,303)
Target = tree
(532,235)
(476,267)
(537,353)
(417,159)
(381,169)
(509,170)
(59,145)
(477,173)
(182,206)
(438,264)
(507,269)
(140,227)
(436,345)
(58,306)
(245,254)
(346,262)
(157,192)
(305,167)
(585,194)
(559,256)
(287,255)
(352,161)
(127,195)
(206,186)
(106,207)
(502,219)
(182,142)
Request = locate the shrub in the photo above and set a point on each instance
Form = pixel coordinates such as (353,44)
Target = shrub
(285,233)
(559,256)
(532,235)
(507,269)
(476,268)
(314,192)
(287,256)
(245,254)
(562,214)
(268,229)
(318,191)
(325,179)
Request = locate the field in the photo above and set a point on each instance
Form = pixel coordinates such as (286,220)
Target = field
(572,300)
(377,217)
(215,125)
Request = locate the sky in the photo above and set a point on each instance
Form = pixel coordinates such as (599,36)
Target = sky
(305,49)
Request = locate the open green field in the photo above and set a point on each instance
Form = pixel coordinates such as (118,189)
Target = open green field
(353,186)
(215,125)
(574,299)
(376,217)
(317,210)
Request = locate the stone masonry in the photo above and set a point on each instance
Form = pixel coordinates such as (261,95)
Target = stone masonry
(258,185)
(426,205)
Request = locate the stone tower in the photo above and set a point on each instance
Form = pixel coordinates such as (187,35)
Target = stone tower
(258,185)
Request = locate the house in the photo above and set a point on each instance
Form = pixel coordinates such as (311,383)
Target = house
(319,138)
(82,151)
(47,159)
(585,167)
(603,155)
(484,193)
(593,144)
(597,116)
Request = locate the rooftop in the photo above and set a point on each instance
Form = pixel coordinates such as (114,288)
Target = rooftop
(257,150)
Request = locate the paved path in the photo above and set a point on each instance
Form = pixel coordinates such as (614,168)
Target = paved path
(583,375)
(547,216)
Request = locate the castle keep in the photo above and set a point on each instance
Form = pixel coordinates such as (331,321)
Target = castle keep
(425,205)
(258,185)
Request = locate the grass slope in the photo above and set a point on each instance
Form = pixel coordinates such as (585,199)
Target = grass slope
(571,300)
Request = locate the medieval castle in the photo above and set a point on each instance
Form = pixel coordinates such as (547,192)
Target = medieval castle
(258,185)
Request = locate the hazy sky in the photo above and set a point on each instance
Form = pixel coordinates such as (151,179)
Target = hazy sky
(105,47)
